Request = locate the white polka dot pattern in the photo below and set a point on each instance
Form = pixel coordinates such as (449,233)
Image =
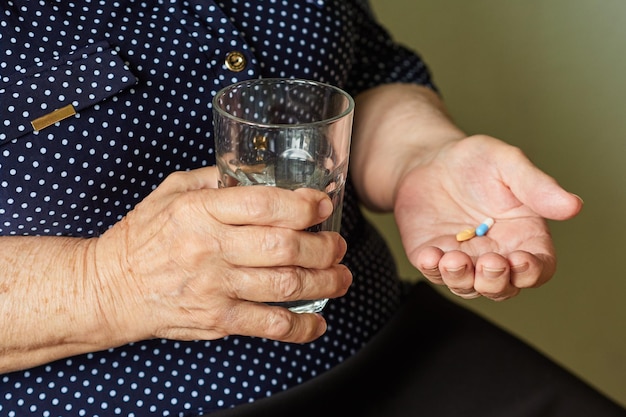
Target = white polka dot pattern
(82,79)
(141,76)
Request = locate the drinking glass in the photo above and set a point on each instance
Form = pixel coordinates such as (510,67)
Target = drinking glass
(287,133)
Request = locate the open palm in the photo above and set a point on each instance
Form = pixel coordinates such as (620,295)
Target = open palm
(464,183)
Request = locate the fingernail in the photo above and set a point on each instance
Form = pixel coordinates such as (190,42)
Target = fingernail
(578,197)
(518,269)
(325,208)
(347,278)
(342,247)
(321,325)
(457,272)
(493,272)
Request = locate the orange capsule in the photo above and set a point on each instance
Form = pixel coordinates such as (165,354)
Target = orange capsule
(466,234)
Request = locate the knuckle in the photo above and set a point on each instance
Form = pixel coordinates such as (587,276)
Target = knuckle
(262,204)
(257,208)
(179,209)
(172,180)
(280,243)
(175,176)
(288,283)
(279,324)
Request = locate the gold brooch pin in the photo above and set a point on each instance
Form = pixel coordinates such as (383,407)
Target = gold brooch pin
(53,117)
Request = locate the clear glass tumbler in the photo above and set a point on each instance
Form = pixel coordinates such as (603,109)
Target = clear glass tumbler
(287,133)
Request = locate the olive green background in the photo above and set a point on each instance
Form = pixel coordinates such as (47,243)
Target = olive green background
(548,76)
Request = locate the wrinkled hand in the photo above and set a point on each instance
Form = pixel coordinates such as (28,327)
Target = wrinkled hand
(466,182)
(195,262)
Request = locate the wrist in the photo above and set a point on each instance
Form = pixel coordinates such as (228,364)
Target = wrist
(397,128)
(51,305)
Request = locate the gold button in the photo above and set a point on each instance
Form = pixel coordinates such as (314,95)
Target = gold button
(235,61)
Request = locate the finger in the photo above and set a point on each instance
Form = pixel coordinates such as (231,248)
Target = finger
(457,272)
(250,319)
(427,262)
(298,209)
(287,283)
(492,277)
(275,323)
(271,206)
(276,246)
(531,271)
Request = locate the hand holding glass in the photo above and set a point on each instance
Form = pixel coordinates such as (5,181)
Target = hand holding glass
(287,133)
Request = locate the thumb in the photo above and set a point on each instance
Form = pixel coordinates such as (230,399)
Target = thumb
(195,179)
(542,193)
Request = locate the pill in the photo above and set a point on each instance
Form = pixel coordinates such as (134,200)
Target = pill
(484,226)
(466,234)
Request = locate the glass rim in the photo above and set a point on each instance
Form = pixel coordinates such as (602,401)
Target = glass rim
(217,108)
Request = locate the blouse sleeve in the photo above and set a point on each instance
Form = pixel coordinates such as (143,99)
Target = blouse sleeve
(379,59)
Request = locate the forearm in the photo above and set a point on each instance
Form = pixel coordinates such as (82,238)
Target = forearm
(49,302)
(396,127)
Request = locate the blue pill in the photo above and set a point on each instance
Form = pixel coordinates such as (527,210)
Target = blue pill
(484,226)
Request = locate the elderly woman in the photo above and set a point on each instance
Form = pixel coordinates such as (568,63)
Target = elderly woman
(131,285)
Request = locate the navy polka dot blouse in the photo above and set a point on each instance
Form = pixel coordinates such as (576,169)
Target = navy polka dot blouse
(100,101)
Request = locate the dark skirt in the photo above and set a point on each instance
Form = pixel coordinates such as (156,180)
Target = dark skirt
(436,358)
